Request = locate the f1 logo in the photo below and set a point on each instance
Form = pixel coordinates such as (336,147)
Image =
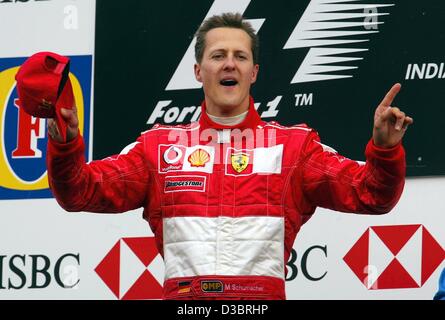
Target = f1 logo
(184,78)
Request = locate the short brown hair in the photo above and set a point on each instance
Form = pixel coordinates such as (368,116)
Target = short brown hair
(225,20)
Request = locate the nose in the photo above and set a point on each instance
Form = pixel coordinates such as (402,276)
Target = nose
(229,63)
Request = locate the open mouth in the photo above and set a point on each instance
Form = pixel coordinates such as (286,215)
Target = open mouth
(228,82)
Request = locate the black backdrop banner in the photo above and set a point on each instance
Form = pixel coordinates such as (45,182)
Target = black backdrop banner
(325,63)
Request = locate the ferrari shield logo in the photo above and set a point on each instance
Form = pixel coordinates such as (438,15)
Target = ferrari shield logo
(239,161)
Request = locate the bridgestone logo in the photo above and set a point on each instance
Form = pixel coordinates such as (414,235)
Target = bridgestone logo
(183,184)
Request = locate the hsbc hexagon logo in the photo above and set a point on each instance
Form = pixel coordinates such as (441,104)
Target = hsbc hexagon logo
(395,257)
(133,269)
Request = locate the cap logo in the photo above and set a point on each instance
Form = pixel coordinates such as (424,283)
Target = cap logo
(46,105)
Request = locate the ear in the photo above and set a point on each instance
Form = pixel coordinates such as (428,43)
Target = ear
(254,73)
(197,69)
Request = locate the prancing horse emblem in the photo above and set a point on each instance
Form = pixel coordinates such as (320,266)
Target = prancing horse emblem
(239,161)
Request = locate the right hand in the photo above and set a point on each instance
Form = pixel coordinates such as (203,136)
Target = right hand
(72,123)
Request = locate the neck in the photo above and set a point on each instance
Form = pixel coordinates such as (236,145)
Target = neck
(222,112)
(229,121)
(251,120)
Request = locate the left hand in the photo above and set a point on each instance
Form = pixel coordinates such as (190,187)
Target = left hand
(390,124)
(72,125)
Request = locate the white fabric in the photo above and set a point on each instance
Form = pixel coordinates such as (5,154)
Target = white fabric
(229,121)
(224,136)
(224,246)
(268,160)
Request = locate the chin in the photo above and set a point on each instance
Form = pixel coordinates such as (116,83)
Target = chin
(229,105)
(230,101)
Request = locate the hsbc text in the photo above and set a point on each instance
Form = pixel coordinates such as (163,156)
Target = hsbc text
(36,272)
(312,258)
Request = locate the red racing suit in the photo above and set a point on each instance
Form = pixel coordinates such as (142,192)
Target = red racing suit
(226,203)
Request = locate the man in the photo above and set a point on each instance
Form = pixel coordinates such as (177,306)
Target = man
(225,197)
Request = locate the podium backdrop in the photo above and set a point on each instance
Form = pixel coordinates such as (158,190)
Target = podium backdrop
(327,63)
(322,62)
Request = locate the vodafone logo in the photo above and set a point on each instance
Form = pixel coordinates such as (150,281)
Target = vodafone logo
(133,269)
(395,257)
(172,155)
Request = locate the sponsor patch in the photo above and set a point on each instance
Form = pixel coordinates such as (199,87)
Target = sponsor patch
(240,161)
(173,154)
(184,286)
(180,158)
(199,158)
(245,162)
(184,183)
(171,158)
(211,286)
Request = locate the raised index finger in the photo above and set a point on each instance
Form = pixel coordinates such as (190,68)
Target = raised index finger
(387,100)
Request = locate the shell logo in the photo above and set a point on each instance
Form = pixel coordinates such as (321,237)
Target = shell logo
(199,158)
(23,138)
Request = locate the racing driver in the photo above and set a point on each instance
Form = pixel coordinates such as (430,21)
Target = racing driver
(226,196)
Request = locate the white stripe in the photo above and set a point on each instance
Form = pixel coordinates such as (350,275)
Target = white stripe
(286,128)
(326,148)
(128,148)
(224,246)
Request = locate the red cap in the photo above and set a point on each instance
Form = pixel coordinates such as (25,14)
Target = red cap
(44,87)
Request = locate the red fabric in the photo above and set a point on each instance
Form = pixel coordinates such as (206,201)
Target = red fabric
(224,287)
(38,84)
(310,177)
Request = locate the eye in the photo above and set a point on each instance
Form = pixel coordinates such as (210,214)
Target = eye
(218,56)
(242,57)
